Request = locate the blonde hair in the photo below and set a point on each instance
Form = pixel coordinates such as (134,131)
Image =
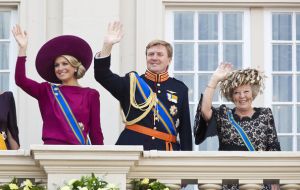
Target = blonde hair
(80,70)
(163,43)
(237,78)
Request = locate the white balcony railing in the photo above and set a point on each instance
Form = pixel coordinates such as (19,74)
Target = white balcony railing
(57,164)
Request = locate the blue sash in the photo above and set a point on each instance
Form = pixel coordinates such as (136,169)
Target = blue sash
(163,115)
(65,108)
(242,133)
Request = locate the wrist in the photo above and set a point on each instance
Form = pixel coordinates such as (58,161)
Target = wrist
(23,48)
(106,50)
(22,52)
(211,87)
(212,83)
(107,43)
(106,46)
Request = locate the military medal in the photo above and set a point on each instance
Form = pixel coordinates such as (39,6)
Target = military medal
(177,123)
(173,110)
(172,98)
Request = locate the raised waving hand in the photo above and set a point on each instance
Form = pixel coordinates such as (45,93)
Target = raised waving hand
(21,38)
(114,32)
(114,35)
(222,71)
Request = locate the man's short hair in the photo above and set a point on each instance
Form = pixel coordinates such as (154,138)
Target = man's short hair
(163,43)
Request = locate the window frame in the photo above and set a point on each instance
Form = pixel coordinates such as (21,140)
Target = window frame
(268,67)
(246,51)
(12,47)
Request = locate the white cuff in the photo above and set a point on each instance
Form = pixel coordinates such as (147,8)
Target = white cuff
(98,56)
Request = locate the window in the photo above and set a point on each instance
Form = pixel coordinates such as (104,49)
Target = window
(6,49)
(202,39)
(284,66)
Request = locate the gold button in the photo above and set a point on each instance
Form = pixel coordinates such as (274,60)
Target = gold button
(158,84)
(153,138)
(158,91)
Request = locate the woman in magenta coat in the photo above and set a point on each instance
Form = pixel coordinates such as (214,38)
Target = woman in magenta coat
(70,112)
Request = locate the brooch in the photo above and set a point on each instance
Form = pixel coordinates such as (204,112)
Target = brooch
(81,126)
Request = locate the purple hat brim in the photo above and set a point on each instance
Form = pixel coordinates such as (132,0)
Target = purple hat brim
(62,45)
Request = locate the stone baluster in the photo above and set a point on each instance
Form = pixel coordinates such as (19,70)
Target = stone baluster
(210,187)
(250,187)
(290,187)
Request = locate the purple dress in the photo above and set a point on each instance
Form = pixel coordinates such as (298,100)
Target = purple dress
(8,118)
(84,103)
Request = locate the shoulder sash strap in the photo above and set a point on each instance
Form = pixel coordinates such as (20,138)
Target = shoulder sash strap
(2,141)
(163,114)
(242,133)
(69,116)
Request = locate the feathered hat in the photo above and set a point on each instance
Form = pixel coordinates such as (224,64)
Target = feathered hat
(242,77)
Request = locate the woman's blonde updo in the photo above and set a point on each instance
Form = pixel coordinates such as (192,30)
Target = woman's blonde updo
(237,78)
(80,70)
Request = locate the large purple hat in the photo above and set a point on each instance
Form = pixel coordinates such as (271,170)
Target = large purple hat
(62,45)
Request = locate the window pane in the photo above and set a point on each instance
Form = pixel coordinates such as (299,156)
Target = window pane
(4,53)
(188,80)
(298,26)
(282,88)
(283,118)
(282,57)
(232,26)
(4,82)
(208,57)
(184,57)
(233,54)
(286,143)
(298,89)
(211,143)
(282,26)
(208,26)
(298,119)
(184,25)
(5,25)
(298,57)
(202,82)
(298,143)
(192,115)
